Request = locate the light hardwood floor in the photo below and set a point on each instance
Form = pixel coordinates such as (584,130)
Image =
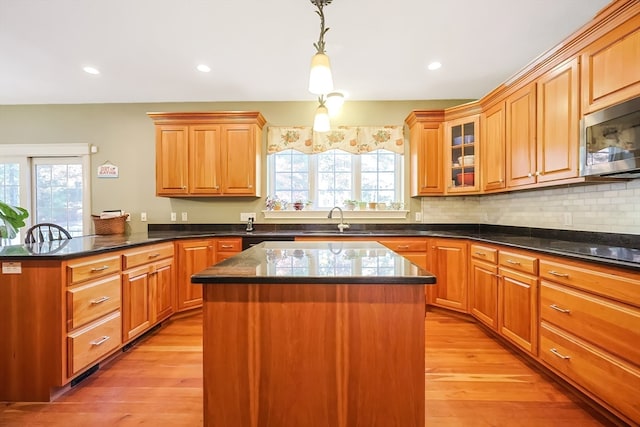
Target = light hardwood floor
(471,380)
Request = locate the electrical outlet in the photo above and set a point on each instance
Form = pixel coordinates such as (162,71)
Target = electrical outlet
(128,216)
(185,216)
(568,218)
(143,216)
(244,216)
(173,216)
(418,216)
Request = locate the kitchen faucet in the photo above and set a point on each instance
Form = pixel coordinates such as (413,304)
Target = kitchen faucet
(342,224)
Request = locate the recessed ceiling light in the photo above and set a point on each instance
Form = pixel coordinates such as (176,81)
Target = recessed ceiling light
(91,70)
(434,65)
(203,68)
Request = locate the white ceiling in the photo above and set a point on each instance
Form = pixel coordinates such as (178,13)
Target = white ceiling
(259,50)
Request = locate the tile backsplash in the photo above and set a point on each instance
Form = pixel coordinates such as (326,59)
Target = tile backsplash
(608,208)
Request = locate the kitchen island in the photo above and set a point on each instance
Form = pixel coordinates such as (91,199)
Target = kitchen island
(314,334)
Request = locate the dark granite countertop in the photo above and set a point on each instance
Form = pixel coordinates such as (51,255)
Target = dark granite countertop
(621,250)
(331,262)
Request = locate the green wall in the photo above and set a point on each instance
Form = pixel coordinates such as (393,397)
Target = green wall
(124,135)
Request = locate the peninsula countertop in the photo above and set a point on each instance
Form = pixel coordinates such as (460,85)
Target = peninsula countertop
(330,262)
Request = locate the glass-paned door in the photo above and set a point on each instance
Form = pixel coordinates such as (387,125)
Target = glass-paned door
(58,190)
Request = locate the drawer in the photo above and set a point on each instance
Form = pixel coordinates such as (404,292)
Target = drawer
(602,322)
(229,245)
(518,261)
(484,253)
(405,245)
(89,344)
(612,380)
(622,286)
(92,268)
(88,302)
(146,254)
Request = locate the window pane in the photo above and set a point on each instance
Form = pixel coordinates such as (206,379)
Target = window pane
(332,177)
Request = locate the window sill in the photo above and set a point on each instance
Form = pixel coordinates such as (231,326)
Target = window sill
(322,214)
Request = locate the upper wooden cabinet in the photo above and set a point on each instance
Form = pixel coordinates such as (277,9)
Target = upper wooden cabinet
(208,154)
(611,66)
(492,124)
(558,122)
(425,145)
(520,137)
(462,155)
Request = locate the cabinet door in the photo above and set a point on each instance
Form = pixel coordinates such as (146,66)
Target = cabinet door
(558,118)
(483,292)
(162,291)
(239,159)
(521,138)
(493,148)
(193,256)
(136,313)
(172,160)
(611,67)
(448,261)
(205,159)
(517,309)
(426,161)
(462,155)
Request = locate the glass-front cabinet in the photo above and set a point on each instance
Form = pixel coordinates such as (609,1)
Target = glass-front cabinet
(462,155)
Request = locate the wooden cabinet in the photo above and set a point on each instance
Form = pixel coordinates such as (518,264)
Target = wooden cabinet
(426,156)
(483,284)
(147,288)
(611,67)
(589,331)
(448,262)
(493,148)
(462,154)
(520,115)
(208,154)
(227,247)
(193,255)
(518,299)
(558,122)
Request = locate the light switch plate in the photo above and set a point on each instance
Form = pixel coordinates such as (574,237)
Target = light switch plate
(185,216)
(143,216)
(173,216)
(244,216)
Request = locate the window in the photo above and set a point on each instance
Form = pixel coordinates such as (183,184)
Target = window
(331,177)
(51,181)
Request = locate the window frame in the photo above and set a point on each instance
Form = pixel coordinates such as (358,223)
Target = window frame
(24,153)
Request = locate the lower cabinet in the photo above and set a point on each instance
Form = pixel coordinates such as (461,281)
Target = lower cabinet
(518,299)
(193,255)
(448,262)
(147,288)
(590,329)
(483,285)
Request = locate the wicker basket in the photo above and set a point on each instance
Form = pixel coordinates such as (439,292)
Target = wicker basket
(109,225)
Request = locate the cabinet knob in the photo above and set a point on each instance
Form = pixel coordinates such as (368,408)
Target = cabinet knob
(538,173)
(529,174)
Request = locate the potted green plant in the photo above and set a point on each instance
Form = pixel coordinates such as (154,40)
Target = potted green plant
(11,219)
(350,204)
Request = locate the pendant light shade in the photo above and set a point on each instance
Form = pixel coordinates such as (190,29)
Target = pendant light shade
(321,121)
(320,79)
(334,103)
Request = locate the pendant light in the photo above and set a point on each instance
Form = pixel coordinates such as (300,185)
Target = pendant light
(321,122)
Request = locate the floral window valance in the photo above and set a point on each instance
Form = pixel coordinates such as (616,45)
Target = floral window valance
(352,139)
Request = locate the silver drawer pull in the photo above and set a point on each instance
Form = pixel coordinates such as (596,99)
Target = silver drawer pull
(510,261)
(481,254)
(560,355)
(227,246)
(96,269)
(100,340)
(156,255)
(560,309)
(402,247)
(555,273)
(100,300)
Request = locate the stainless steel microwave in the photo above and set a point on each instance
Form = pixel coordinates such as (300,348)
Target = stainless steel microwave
(610,141)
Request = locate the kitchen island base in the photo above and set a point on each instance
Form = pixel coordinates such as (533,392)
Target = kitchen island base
(313,355)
